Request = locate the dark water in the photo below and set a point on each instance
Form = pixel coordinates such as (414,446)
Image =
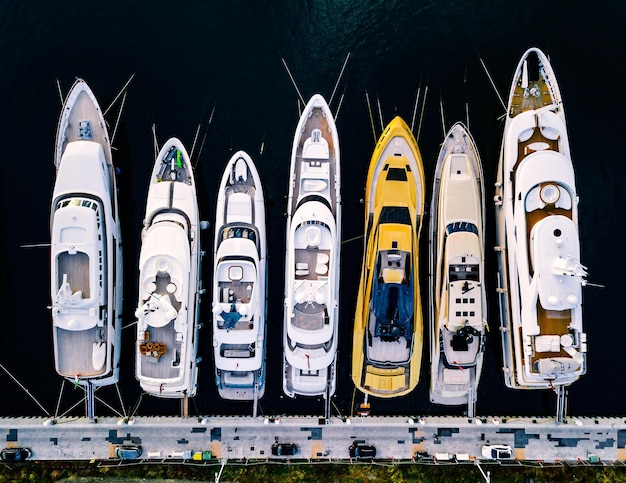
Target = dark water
(227,54)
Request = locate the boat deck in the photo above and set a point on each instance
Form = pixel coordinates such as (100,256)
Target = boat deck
(77,129)
(310,316)
(235,292)
(75,347)
(317,120)
(76,267)
(75,350)
(550,322)
(236,189)
(311,263)
(397,352)
(167,365)
(529,146)
(171,169)
(520,102)
(82,110)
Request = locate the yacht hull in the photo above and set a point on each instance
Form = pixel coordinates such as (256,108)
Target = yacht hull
(86,253)
(169,279)
(458,305)
(540,276)
(240,282)
(388,332)
(313,245)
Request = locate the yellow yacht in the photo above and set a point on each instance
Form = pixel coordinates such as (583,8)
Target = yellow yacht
(387,341)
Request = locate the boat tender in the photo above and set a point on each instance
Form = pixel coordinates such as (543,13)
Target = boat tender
(458,307)
(86,250)
(169,279)
(387,341)
(540,276)
(313,244)
(240,282)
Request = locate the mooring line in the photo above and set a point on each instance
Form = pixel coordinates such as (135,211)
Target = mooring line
(419,128)
(201,146)
(443,122)
(369,109)
(25,390)
(119,395)
(380,114)
(492,83)
(154,141)
(339,106)
(195,138)
(56,412)
(122,90)
(339,79)
(119,116)
(467,120)
(109,406)
(60,92)
(80,401)
(352,239)
(293,81)
(417,98)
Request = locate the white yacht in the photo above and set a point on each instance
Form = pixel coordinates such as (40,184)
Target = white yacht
(540,275)
(169,279)
(458,307)
(86,252)
(240,282)
(312,255)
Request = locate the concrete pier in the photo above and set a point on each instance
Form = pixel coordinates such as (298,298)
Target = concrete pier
(395,438)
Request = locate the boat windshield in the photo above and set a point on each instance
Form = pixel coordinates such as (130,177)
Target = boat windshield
(461,226)
(239,231)
(78,201)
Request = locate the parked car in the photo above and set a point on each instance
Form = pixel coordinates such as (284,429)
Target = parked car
(15,454)
(497,452)
(360,450)
(284,449)
(181,455)
(128,451)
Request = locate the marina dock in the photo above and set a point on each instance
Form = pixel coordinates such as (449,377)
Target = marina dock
(439,439)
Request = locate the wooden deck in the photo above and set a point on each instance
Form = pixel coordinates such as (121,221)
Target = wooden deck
(519,103)
(314,270)
(310,316)
(166,366)
(76,267)
(75,351)
(316,121)
(75,347)
(550,322)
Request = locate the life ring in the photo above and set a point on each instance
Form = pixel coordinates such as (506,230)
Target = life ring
(142,349)
(162,350)
(149,346)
